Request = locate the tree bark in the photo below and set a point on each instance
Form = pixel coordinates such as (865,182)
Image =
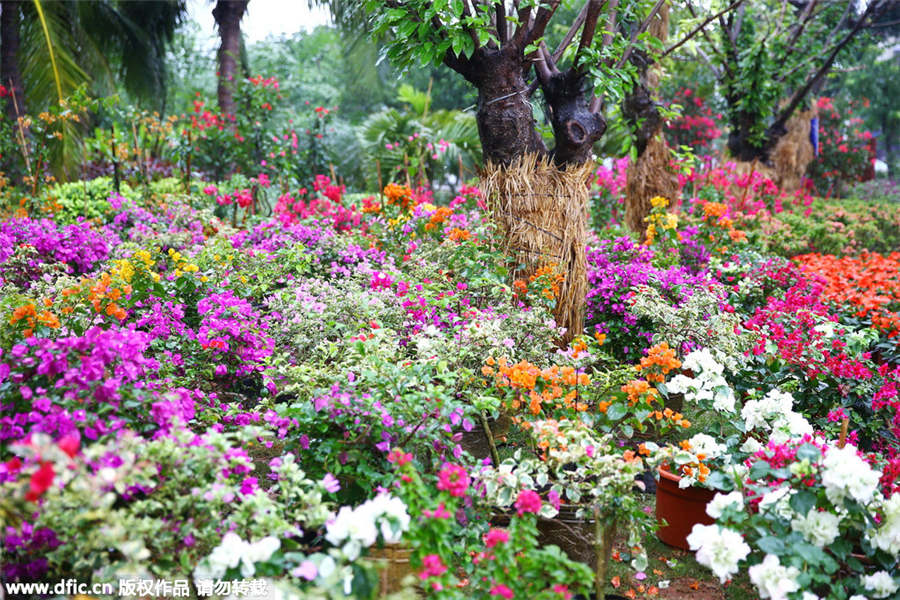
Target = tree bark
(505,120)
(649,174)
(10,75)
(228,14)
(575,127)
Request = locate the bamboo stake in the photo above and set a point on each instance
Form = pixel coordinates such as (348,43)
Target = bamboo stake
(602,550)
(845,425)
(380,187)
(490,438)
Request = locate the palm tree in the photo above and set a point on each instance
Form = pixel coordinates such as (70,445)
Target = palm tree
(49,49)
(228,15)
(10,75)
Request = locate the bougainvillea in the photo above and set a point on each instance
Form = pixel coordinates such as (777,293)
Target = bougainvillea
(846,151)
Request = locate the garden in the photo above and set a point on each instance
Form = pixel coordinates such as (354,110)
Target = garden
(561,300)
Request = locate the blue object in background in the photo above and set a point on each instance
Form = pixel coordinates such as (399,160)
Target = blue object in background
(814,134)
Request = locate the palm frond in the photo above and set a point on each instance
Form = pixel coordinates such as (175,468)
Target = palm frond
(43,20)
(50,71)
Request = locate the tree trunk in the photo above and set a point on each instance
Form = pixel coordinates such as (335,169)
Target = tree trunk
(538,198)
(228,14)
(506,124)
(10,75)
(649,174)
(888,137)
(743,149)
(575,127)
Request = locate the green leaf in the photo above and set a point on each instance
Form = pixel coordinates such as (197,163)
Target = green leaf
(771,545)
(808,552)
(616,412)
(803,501)
(809,452)
(759,470)
(457,45)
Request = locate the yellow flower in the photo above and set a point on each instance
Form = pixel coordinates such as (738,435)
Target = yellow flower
(671,221)
(123,269)
(145,257)
(659,202)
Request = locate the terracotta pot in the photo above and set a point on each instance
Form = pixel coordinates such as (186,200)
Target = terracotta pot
(680,508)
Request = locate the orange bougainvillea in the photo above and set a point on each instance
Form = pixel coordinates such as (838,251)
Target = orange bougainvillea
(551,277)
(578,347)
(398,194)
(638,390)
(459,235)
(714,215)
(102,294)
(870,283)
(437,217)
(28,313)
(659,361)
(536,388)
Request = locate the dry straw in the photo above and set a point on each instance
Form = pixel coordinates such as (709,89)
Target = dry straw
(648,176)
(793,153)
(790,158)
(542,211)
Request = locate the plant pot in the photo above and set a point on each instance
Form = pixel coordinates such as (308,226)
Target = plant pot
(573,535)
(680,508)
(476,442)
(394,566)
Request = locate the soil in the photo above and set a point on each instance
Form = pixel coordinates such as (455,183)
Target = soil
(690,587)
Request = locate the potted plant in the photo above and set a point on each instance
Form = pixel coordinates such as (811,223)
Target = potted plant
(584,480)
(692,469)
(811,517)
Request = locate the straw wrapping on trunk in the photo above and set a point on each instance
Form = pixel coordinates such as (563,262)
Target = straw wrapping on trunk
(790,157)
(542,213)
(648,176)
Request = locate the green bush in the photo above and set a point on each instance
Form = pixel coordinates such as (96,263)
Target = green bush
(86,199)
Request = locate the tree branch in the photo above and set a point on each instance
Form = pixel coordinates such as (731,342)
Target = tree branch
(567,39)
(472,33)
(805,18)
(543,17)
(544,65)
(634,34)
(524,16)
(699,28)
(597,102)
(500,22)
(713,47)
(590,24)
(570,34)
(802,92)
